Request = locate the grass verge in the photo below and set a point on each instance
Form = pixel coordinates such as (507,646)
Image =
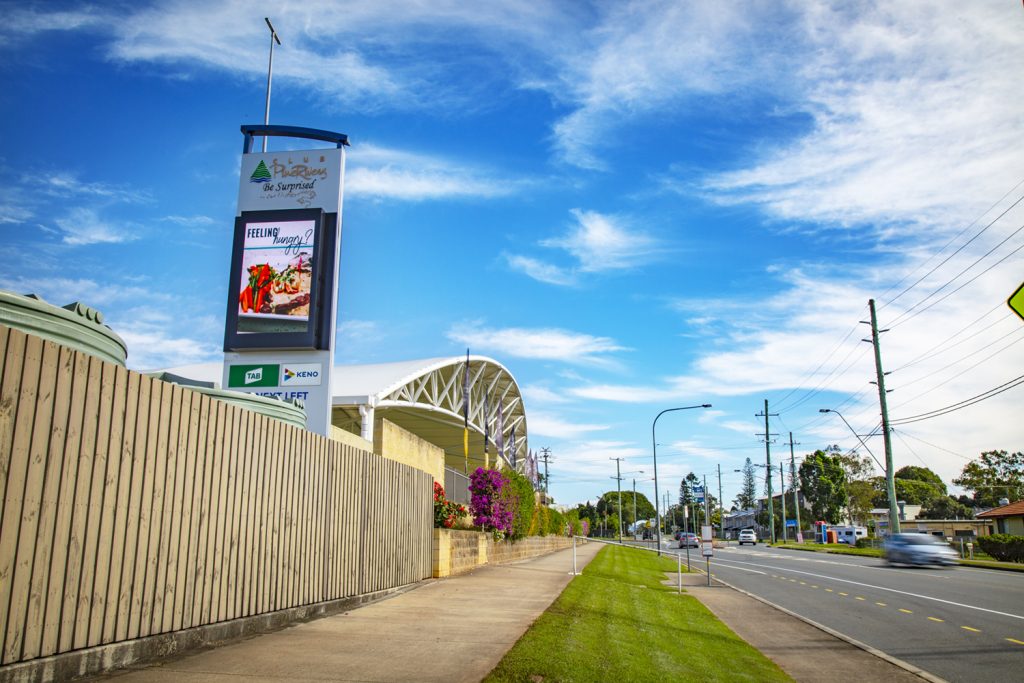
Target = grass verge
(617,621)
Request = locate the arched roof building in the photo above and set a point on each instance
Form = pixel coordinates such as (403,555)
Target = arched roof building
(426,397)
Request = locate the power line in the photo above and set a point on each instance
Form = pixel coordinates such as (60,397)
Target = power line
(995,391)
(932,373)
(954,239)
(956,334)
(902,317)
(813,372)
(962,372)
(927,443)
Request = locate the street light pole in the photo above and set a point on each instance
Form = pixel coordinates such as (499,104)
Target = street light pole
(270,73)
(654,452)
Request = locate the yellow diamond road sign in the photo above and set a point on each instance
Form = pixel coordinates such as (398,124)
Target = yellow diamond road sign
(1016,301)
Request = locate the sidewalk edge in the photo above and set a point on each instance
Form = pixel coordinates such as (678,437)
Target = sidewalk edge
(906,666)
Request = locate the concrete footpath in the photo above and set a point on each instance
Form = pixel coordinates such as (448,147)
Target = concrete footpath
(447,630)
(458,629)
(803,651)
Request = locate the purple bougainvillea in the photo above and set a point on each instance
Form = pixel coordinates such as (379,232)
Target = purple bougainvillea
(490,501)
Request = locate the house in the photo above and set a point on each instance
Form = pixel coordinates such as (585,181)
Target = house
(1009,519)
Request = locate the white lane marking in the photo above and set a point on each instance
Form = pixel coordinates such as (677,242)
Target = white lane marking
(884,588)
(790,558)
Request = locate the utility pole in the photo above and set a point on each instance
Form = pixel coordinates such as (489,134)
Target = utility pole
(782,491)
(796,489)
(634,508)
(721,510)
(890,484)
(618,481)
(270,74)
(768,467)
(546,457)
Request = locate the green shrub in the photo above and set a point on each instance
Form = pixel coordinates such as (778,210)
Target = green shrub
(556,523)
(1003,547)
(524,509)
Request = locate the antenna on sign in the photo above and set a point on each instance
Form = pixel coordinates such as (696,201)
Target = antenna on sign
(270,73)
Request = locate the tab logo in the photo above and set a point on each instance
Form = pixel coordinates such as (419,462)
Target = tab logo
(247,376)
(301,374)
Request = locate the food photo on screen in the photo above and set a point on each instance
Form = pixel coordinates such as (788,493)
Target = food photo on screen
(276,277)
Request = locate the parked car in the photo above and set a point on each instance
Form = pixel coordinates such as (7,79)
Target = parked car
(748,536)
(688,540)
(918,549)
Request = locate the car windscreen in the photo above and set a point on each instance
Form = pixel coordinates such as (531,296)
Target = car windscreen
(921,539)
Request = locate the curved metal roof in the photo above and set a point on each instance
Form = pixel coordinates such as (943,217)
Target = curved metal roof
(426,397)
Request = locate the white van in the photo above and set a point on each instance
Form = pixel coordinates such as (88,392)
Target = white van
(849,534)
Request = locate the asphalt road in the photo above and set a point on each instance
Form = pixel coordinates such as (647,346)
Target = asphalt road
(960,624)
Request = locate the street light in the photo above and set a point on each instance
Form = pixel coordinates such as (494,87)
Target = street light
(654,451)
(890,484)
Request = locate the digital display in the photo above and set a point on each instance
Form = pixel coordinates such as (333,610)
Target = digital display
(277,273)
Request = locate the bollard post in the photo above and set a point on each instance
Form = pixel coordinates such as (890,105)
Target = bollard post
(574,572)
(679,570)
(709,570)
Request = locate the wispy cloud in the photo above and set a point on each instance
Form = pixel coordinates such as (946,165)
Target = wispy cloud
(538,343)
(68,185)
(541,424)
(596,243)
(379,172)
(84,226)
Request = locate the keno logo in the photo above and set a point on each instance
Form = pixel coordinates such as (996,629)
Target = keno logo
(253,375)
(306,374)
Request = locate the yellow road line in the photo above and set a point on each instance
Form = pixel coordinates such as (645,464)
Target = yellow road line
(881,604)
(829,590)
(905,611)
(803,583)
(858,598)
(1014,640)
(936,619)
(968,628)
(843,594)
(813,586)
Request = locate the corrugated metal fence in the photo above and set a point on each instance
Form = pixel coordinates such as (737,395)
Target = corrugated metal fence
(134,507)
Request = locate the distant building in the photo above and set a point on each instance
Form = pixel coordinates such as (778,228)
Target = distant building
(1009,519)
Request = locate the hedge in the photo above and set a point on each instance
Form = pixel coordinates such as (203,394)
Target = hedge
(1003,547)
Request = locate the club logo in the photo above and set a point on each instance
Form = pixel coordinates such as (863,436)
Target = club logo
(261,174)
(252,376)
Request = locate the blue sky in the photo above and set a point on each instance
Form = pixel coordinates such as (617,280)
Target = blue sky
(631,205)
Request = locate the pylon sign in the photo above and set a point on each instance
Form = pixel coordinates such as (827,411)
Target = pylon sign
(279,333)
(1016,301)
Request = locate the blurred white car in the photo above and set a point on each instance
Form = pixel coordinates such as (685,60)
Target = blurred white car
(748,536)
(918,549)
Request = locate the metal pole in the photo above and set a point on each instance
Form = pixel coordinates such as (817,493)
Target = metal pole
(270,74)
(654,453)
(575,573)
(708,565)
(679,570)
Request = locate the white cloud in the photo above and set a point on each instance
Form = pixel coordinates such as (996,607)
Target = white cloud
(191,221)
(538,394)
(541,271)
(68,184)
(84,226)
(541,424)
(356,331)
(601,243)
(597,243)
(380,172)
(539,343)
(915,119)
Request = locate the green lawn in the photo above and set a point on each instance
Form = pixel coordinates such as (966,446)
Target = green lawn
(618,622)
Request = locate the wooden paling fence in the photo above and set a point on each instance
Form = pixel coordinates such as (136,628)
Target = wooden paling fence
(132,507)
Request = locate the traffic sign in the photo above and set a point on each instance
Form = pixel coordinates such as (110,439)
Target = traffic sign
(1016,301)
